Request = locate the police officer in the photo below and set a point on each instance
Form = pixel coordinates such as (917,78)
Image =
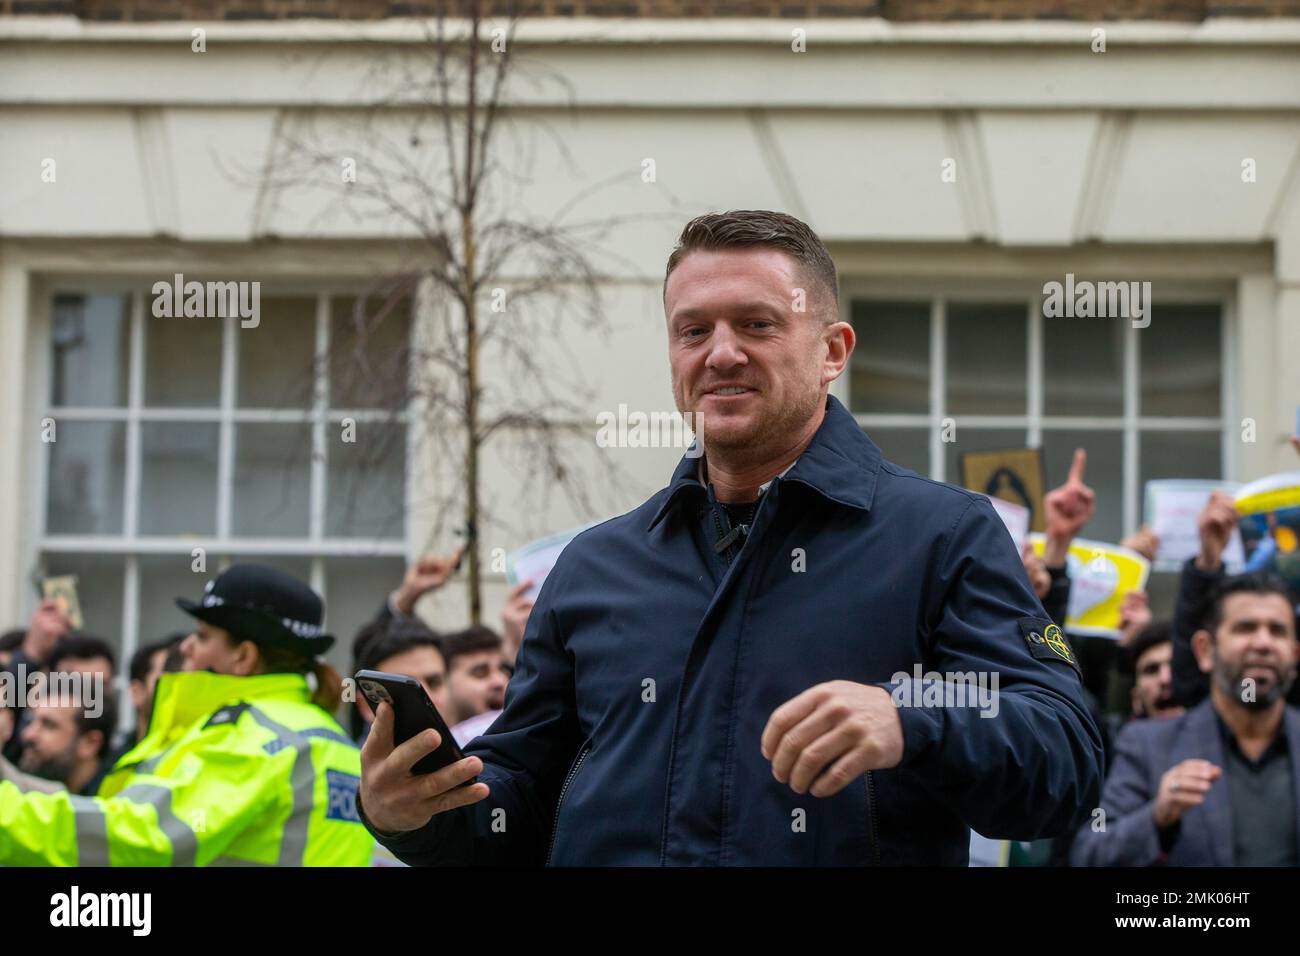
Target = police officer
(242,762)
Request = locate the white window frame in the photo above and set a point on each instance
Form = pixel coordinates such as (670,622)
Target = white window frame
(939,292)
(316,545)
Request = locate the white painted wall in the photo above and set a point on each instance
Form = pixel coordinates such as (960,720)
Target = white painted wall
(1066,159)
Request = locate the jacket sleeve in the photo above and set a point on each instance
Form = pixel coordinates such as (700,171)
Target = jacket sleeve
(1057,602)
(184,818)
(525,753)
(1030,766)
(1194,585)
(1125,832)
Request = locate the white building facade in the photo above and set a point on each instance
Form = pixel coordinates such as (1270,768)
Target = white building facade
(952,169)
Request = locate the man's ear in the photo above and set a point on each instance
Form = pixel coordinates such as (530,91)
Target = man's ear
(1203,648)
(89,744)
(839,346)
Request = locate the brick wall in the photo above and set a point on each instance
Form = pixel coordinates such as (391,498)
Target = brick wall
(897,10)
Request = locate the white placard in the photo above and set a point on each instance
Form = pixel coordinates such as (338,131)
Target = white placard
(1015,517)
(1172,509)
(535,560)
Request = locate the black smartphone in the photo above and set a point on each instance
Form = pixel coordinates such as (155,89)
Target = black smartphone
(413,713)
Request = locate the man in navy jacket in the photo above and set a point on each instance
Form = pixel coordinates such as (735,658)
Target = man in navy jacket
(797,653)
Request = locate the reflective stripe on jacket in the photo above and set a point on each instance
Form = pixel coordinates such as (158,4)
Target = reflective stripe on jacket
(233,770)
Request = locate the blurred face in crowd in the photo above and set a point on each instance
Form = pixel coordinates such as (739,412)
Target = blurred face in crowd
(88,665)
(476,683)
(1152,694)
(142,690)
(6,725)
(1256,642)
(213,649)
(56,749)
(425,664)
(742,358)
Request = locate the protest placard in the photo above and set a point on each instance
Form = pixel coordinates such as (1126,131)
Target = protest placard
(534,560)
(1100,575)
(1014,474)
(1269,511)
(1173,507)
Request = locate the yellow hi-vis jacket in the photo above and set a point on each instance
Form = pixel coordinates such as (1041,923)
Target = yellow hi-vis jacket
(232,771)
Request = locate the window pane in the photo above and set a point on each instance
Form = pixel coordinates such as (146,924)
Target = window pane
(90,349)
(1104,475)
(182,363)
(178,477)
(890,367)
(276,357)
(272,481)
(99,589)
(909,447)
(163,579)
(298,566)
(977,439)
(355,589)
(1083,367)
(367,482)
(988,370)
(1180,455)
(87,470)
(1180,361)
(369,353)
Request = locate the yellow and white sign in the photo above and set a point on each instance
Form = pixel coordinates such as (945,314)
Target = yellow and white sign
(1100,575)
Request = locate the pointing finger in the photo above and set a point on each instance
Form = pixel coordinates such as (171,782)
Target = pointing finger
(1079,464)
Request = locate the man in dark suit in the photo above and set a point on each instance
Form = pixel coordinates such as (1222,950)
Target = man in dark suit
(1219,785)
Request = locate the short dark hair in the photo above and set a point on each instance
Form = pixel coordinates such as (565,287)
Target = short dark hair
(1257,582)
(175,660)
(759,228)
(82,645)
(139,668)
(469,641)
(105,723)
(10,640)
(1153,635)
(378,641)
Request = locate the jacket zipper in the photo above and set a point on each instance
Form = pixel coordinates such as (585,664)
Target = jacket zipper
(871,820)
(559,804)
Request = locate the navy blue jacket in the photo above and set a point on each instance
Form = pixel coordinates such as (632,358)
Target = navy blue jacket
(649,670)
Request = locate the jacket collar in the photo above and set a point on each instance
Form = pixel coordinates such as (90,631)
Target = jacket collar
(840,463)
(182,700)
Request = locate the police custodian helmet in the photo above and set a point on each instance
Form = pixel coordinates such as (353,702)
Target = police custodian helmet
(264,605)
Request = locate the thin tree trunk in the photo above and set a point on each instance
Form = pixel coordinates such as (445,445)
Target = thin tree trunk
(471,335)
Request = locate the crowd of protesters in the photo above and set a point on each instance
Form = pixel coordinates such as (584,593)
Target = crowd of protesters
(1180,733)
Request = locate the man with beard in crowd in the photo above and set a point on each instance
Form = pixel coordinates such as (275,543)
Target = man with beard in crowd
(1215,786)
(65,744)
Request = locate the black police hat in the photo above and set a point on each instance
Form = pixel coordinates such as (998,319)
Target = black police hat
(263,605)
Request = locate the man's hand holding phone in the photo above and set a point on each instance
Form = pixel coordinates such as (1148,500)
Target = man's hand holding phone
(395,800)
